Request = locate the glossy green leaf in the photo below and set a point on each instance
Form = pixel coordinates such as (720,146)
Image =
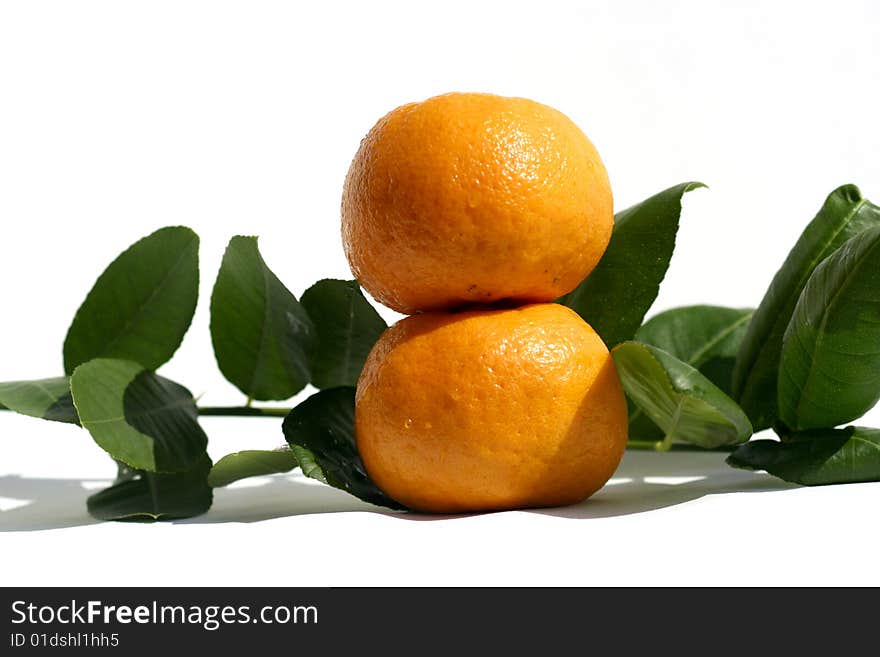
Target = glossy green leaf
(616,295)
(320,432)
(830,367)
(262,336)
(813,458)
(142,305)
(150,496)
(641,428)
(677,398)
(47,399)
(844,214)
(251,463)
(142,419)
(704,337)
(308,464)
(347,326)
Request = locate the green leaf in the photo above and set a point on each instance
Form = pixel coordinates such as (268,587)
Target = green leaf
(320,432)
(142,305)
(616,295)
(262,336)
(47,399)
(250,463)
(704,337)
(813,458)
(151,496)
(142,419)
(308,464)
(680,400)
(347,327)
(844,215)
(830,367)
(641,428)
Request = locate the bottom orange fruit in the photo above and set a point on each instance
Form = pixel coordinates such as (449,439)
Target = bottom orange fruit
(490,409)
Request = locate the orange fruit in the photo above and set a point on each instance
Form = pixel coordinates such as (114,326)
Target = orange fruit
(490,409)
(474,198)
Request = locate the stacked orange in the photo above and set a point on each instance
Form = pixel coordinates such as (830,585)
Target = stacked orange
(472,213)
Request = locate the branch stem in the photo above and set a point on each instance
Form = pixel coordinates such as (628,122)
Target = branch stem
(659,446)
(253,411)
(243,411)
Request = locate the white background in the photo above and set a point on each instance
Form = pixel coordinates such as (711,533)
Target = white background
(117,118)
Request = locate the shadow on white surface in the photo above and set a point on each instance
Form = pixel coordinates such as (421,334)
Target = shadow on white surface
(278,497)
(645,481)
(35,503)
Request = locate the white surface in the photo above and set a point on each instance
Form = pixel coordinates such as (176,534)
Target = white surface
(672,519)
(117,118)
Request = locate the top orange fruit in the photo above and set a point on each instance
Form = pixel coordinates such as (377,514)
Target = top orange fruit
(474,198)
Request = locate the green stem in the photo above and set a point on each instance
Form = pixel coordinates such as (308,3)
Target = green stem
(243,411)
(666,444)
(655,446)
(642,444)
(639,445)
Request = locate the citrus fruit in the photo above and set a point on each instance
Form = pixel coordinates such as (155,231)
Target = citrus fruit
(474,198)
(490,409)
